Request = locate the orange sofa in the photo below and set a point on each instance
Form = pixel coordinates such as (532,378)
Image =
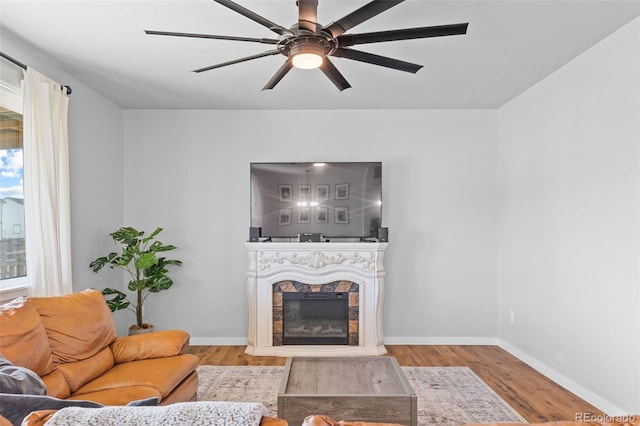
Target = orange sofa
(70,342)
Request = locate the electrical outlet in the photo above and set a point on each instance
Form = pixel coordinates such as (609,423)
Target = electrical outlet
(512,316)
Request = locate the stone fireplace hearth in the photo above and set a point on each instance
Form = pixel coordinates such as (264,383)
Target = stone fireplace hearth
(351,270)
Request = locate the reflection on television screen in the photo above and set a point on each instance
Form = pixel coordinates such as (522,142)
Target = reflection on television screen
(337,200)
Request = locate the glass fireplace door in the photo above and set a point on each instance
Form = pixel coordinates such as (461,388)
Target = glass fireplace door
(315,318)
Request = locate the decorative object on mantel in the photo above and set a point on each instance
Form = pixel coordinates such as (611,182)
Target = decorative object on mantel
(446,395)
(308,45)
(148,271)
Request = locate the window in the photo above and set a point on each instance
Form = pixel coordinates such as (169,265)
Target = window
(12,230)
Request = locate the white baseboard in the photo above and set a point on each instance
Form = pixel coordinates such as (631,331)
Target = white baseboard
(390,340)
(415,340)
(592,398)
(217,341)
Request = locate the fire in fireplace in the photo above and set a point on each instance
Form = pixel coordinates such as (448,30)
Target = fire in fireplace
(315,318)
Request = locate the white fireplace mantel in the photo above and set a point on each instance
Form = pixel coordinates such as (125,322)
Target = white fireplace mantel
(315,263)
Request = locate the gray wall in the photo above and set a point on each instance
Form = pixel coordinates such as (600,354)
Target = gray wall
(569,228)
(188,171)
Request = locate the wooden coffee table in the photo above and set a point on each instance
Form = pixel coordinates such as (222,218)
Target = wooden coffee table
(370,389)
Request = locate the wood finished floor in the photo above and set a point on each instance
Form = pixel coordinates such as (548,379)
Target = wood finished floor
(534,396)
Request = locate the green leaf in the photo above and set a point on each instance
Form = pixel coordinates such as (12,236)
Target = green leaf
(119,301)
(135,285)
(155,270)
(146,260)
(158,246)
(122,260)
(98,264)
(161,283)
(126,235)
(153,235)
(101,262)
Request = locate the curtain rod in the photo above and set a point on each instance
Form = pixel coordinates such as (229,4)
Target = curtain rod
(24,67)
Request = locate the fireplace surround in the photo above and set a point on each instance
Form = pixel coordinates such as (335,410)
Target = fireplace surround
(355,269)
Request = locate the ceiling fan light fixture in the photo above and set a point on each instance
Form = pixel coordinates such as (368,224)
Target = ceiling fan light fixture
(307,61)
(307,56)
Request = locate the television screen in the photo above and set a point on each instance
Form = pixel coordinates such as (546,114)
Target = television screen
(337,200)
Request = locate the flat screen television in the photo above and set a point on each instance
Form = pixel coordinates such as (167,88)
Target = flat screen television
(337,199)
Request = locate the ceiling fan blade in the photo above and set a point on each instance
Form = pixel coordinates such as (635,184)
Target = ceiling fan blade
(405,34)
(278,29)
(308,15)
(284,69)
(382,61)
(334,75)
(237,61)
(216,37)
(357,17)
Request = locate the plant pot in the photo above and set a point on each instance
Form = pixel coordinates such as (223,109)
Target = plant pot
(146,328)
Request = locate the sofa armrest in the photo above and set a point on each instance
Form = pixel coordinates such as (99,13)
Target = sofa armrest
(160,344)
(38,418)
(5,422)
(273,421)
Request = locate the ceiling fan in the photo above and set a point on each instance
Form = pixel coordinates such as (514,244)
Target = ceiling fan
(307,44)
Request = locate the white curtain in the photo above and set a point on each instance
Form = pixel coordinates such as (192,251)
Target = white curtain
(46,186)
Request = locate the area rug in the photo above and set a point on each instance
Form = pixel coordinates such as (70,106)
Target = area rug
(446,395)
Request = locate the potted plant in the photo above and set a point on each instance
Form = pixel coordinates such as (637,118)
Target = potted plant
(141,258)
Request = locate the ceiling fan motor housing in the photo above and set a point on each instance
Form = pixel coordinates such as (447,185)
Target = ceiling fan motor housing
(314,44)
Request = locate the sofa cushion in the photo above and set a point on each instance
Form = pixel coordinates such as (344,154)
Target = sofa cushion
(187,390)
(57,385)
(79,325)
(151,345)
(79,373)
(162,374)
(20,380)
(23,340)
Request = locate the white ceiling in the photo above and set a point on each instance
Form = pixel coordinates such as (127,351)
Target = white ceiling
(510,45)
